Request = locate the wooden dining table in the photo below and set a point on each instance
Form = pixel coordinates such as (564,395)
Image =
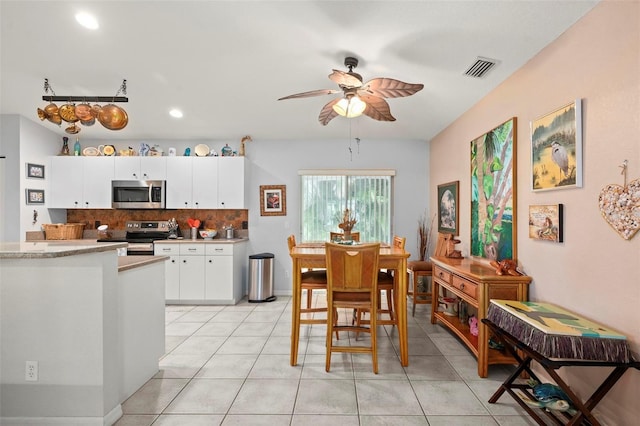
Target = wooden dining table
(312,255)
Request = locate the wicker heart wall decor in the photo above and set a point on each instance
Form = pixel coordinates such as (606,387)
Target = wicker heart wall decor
(620,206)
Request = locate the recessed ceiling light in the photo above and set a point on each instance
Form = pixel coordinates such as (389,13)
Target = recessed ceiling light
(175,113)
(87,20)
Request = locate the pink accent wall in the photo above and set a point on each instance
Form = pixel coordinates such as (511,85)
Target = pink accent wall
(595,272)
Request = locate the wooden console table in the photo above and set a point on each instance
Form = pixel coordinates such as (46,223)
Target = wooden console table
(475,283)
(555,338)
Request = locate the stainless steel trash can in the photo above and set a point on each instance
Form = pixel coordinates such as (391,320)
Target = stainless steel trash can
(261,278)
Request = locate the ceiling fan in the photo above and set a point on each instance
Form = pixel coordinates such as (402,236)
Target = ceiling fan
(359,98)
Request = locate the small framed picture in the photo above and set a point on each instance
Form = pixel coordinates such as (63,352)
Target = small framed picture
(448,208)
(546,222)
(273,200)
(34,196)
(35,171)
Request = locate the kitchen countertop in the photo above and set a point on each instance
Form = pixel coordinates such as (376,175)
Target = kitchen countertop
(54,248)
(130,262)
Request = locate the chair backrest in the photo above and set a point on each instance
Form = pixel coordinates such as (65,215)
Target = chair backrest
(352,268)
(333,236)
(398,242)
(291,241)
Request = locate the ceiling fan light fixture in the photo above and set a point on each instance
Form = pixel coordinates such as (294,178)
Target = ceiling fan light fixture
(350,107)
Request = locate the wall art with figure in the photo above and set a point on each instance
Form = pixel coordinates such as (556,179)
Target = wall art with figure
(448,208)
(556,149)
(493,193)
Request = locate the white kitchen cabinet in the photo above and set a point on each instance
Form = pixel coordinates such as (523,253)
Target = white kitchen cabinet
(231,178)
(204,272)
(179,178)
(80,182)
(205,182)
(218,265)
(141,168)
(171,269)
(191,272)
(192,182)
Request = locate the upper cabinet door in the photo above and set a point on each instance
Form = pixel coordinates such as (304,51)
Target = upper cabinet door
(98,174)
(231,193)
(66,183)
(205,182)
(141,168)
(179,183)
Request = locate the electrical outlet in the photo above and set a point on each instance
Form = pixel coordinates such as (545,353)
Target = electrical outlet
(31,371)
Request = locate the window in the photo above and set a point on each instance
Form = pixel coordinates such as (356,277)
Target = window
(325,194)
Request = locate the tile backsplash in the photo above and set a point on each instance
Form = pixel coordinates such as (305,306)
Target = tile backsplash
(115,219)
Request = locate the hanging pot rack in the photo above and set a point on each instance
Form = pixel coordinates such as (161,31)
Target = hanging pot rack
(110,116)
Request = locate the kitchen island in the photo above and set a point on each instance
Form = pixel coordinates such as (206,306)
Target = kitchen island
(92,321)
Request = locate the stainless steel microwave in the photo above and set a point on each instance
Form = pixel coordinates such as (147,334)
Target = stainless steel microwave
(138,194)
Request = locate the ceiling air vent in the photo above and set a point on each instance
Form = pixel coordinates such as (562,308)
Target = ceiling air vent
(480,67)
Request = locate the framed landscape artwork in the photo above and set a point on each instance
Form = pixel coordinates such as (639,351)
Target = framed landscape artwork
(493,193)
(546,222)
(448,208)
(273,200)
(556,149)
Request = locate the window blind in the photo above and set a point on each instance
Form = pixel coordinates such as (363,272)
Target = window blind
(325,196)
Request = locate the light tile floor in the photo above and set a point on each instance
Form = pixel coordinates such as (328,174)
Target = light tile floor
(229,365)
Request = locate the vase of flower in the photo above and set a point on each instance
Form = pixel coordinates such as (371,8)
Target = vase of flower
(347,224)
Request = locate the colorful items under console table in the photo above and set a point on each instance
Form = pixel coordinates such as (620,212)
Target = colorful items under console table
(555,338)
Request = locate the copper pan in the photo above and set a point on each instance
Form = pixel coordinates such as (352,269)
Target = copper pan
(95,110)
(68,113)
(41,114)
(83,111)
(73,129)
(113,117)
(51,109)
(90,122)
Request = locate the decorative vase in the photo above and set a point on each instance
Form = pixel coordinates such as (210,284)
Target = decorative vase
(65,146)
(347,235)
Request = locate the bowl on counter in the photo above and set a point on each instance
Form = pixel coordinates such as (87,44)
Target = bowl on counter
(208,234)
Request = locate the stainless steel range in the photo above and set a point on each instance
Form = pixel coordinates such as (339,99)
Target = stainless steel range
(141,234)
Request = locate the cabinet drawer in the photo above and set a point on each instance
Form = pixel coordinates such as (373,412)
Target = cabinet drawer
(465,286)
(218,249)
(441,274)
(192,249)
(166,249)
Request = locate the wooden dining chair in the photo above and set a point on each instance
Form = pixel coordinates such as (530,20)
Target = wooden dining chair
(352,284)
(311,280)
(339,236)
(386,281)
(424,268)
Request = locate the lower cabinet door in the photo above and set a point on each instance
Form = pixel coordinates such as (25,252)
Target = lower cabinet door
(191,277)
(172,278)
(218,278)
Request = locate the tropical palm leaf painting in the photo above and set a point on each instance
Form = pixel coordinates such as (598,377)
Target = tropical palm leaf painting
(493,197)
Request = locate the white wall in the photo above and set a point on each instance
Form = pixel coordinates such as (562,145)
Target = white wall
(24,141)
(277,163)
(594,272)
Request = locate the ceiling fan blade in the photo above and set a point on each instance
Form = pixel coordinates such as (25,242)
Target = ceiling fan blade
(327,113)
(377,108)
(312,93)
(389,88)
(345,79)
